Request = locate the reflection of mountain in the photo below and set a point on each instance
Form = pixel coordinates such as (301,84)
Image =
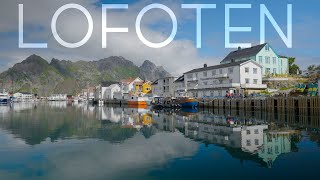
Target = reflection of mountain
(37,123)
(148,131)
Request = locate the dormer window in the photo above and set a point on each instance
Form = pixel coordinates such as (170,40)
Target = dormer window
(267,47)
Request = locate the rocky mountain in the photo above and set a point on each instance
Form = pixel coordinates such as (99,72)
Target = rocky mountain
(150,71)
(37,75)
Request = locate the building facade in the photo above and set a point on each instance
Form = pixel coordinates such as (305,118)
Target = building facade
(180,87)
(23,96)
(164,87)
(241,77)
(126,86)
(271,62)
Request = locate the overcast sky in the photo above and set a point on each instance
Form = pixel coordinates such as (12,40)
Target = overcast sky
(179,56)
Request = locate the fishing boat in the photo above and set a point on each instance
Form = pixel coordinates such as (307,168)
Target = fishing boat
(164,102)
(4,98)
(138,100)
(187,102)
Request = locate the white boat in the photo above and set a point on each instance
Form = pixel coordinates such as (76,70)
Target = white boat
(136,99)
(100,102)
(4,98)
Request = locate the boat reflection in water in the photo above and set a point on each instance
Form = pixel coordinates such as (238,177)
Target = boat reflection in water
(118,142)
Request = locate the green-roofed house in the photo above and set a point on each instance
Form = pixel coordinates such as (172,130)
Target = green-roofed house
(264,54)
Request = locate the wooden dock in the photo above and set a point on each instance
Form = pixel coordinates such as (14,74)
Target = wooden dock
(302,110)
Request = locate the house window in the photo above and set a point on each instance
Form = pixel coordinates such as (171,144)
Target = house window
(247,70)
(248,142)
(255,71)
(267,60)
(248,131)
(276,149)
(230,80)
(260,59)
(205,83)
(230,70)
(205,74)
(274,70)
(221,81)
(267,70)
(256,131)
(214,72)
(220,70)
(196,75)
(267,48)
(247,81)
(274,59)
(256,142)
(190,76)
(255,81)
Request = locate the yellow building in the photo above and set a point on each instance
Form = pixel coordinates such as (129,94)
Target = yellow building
(144,87)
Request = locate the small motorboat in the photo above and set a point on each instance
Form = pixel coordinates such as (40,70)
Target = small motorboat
(4,98)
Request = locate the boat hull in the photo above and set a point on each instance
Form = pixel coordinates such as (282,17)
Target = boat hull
(3,101)
(137,103)
(189,104)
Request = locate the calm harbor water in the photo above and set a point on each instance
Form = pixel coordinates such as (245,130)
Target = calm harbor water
(65,141)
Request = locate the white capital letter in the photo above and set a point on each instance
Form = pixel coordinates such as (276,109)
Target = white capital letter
(199,7)
(229,29)
(174,25)
(21,43)
(105,30)
(265,12)
(54,23)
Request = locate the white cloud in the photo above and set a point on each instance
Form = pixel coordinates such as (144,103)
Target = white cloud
(178,57)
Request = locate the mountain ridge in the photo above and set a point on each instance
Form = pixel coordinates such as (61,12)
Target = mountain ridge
(39,76)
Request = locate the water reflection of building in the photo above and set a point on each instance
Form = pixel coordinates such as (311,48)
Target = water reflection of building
(127,117)
(248,138)
(164,121)
(245,140)
(274,144)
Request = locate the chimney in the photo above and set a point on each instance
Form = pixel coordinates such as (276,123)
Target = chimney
(239,48)
(205,65)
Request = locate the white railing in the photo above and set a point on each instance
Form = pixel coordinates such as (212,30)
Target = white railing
(254,86)
(229,85)
(218,76)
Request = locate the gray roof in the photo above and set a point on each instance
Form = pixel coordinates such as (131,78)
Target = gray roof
(107,83)
(180,79)
(283,56)
(243,53)
(217,66)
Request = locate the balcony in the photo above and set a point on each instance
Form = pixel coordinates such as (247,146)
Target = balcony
(192,79)
(254,86)
(220,76)
(217,76)
(216,86)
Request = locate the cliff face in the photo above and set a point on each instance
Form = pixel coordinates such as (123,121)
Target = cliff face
(150,71)
(36,75)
